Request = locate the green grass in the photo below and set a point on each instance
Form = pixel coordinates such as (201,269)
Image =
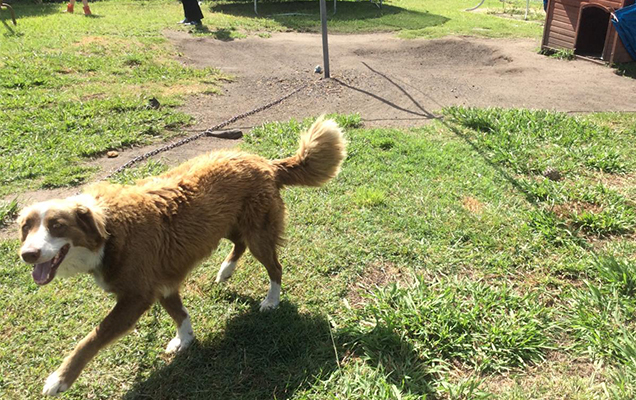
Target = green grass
(133,174)
(495,296)
(529,143)
(72,88)
(559,54)
(420,332)
(8,210)
(408,18)
(442,263)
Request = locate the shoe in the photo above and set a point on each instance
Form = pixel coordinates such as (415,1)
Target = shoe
(185,22)
(195,23)
(87,10)
(69,8)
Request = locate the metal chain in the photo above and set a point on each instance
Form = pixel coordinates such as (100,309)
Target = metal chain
(207,132)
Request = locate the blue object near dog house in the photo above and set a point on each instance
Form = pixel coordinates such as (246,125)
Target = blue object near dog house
(624,21)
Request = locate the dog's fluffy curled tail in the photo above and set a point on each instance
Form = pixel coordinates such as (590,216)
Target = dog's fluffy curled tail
(320,153)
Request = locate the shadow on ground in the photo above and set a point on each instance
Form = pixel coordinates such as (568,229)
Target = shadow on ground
(626,69)
(304,16)
(26,9)
(274,355)
(256,356)
(222,34)
(382,349)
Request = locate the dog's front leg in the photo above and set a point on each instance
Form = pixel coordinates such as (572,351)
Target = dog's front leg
(120,320)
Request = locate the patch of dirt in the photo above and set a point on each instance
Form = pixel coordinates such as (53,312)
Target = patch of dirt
(394,82)
(560,376)
(375,276)
(623,183)
(473,205)
(88,40)
(568,209)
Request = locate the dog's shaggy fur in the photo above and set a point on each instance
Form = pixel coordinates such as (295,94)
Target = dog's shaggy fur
(141,241)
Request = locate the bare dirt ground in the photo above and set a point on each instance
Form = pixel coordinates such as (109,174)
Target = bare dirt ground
(394,82)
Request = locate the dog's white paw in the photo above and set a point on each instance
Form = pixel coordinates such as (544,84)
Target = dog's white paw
(226,271)
(54,385)
(178,344)
(273,297)
(184,338)
(269,304)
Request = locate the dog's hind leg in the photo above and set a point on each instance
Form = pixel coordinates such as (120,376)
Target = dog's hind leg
(229,265)
(185,335)
(265,252)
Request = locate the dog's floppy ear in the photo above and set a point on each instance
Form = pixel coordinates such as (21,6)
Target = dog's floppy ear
(91,222)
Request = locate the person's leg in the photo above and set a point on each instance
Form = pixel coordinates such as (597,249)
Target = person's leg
(69,6)
(87,9)
(185,13)
(192,10)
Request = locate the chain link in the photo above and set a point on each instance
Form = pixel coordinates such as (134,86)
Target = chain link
(207,132)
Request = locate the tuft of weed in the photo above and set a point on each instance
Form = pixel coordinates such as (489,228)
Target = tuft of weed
(466,388)
(624,374)
(8,211)
(369,197)
(529,141)
(347,121)
(483,327)
(619,274)
(559,54)
(544,190)
(552,229)
(605,159)
(606,222)
(131,175)
(605,310)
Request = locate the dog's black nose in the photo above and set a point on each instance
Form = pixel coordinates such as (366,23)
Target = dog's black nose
(30,255)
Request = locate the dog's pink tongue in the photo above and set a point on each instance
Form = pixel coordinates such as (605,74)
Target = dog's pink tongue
(41,272)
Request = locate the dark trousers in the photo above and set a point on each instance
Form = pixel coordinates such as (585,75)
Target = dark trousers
(192,10)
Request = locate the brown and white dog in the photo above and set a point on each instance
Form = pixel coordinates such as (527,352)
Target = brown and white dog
(141,241)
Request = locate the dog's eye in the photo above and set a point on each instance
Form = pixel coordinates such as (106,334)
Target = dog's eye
(57,227)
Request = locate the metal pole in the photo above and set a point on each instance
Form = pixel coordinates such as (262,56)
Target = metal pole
(325,43)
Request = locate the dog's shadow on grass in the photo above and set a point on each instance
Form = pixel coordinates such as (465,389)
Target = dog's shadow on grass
(256,356)
(276,354)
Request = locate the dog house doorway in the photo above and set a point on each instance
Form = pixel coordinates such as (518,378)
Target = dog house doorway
(592,29)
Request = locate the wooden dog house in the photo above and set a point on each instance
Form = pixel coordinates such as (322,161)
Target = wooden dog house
(585,26)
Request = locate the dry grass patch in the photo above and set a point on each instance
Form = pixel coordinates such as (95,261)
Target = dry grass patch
(473,205)
(571,208)
(377,275)
(561,376)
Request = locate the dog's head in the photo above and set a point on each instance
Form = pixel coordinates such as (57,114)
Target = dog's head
(62,237)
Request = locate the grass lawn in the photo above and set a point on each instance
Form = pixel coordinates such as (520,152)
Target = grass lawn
(488,255)
(409,18)
(509,284)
